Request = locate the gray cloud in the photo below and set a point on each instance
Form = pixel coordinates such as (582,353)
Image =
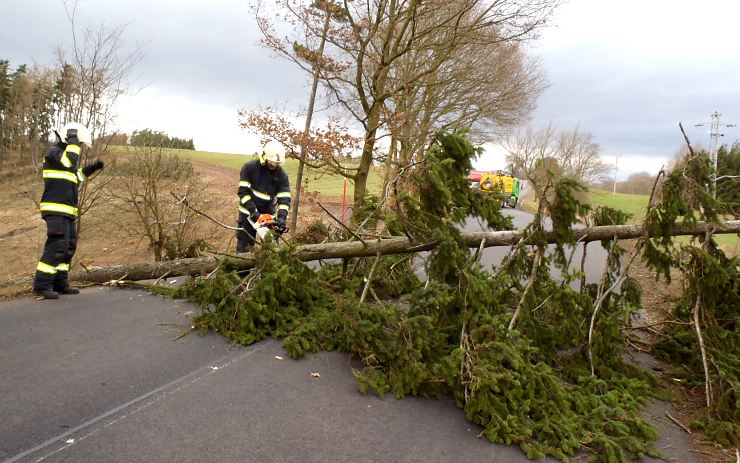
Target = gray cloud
(633,107)
(630,71)
(630,91)
(206,52)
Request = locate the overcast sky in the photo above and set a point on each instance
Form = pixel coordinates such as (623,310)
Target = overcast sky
(626,71)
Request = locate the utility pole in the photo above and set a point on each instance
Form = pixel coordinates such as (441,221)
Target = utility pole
(616,162)
(296,200)
(714,135)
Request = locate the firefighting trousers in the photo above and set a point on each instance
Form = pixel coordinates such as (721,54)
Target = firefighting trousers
(244,236)
(52,270)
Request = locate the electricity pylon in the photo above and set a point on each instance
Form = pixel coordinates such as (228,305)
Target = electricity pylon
(714,135)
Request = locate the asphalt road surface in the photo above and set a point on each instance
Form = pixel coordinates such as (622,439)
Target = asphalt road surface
(100,376)
(595,254)
(493,256)
(97,377)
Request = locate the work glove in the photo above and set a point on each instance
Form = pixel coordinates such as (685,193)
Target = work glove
(99,164)
(254,216)
(281,227)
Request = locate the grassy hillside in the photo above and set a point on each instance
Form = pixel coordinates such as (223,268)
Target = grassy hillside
(632,204)
(636,205)
(329,185)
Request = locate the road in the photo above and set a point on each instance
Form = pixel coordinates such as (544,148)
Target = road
(595,254)
(493,256)
(101,377)
(97,377)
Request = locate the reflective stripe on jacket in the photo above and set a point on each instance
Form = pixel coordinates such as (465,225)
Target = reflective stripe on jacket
(260,189)
(62,179)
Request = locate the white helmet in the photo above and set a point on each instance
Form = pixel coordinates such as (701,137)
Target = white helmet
(75,130)
(273,151)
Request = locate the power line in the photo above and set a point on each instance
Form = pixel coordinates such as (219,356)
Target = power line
(714,135)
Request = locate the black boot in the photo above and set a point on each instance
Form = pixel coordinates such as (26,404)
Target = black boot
(42,284)
(46,293)
(67,290)
(61,283)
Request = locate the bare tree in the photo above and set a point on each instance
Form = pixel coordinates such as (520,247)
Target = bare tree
(142,190)
(379,42)
(580,157)
(94,73)
(310,57)
(486,86)
(529,148)
(367,44)
(92,76)
(576,153)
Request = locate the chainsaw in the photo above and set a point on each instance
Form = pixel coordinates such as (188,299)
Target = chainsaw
(265,225)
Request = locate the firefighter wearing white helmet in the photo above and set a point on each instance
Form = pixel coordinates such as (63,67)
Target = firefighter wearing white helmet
(74,130)
(263,188)
(273,154)
(62,177)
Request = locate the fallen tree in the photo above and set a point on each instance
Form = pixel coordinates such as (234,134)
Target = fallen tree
(531,358)
(347,249)
(534,359)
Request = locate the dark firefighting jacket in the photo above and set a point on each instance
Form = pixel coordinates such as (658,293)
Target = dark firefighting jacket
(260,189)
(62,179)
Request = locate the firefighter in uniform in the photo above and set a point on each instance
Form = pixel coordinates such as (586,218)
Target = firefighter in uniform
(263,184)
(59,209)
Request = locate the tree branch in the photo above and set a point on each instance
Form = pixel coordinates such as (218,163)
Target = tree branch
(396,245)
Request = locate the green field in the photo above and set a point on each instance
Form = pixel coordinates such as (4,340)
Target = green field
(637,204)
(329,185)
(631,204)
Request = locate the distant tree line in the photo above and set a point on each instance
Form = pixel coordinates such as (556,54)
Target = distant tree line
(639,183)
(114,139)
(153,138)
(32,102)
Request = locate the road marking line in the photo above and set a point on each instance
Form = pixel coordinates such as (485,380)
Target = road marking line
(193,377)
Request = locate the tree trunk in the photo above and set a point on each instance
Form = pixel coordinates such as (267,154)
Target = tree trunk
(366,160)
(397,245)
(296,202)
